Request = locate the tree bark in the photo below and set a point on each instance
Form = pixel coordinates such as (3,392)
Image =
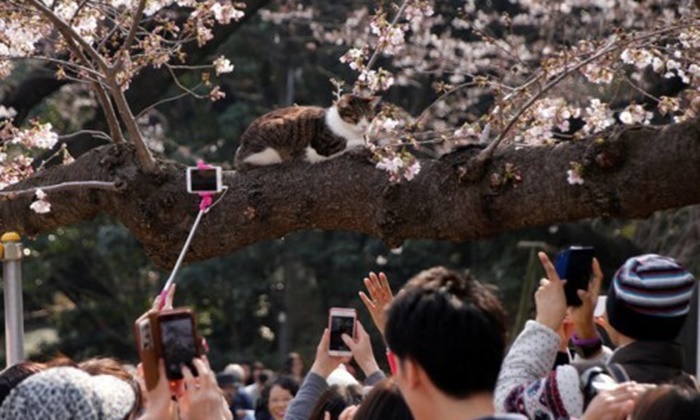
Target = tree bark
(628,174)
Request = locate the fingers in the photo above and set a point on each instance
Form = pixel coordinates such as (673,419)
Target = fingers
(348,413)
(361,332)
(367,301)
(326,416)
(548,267)
(384,282)
(325,341)
(597,281)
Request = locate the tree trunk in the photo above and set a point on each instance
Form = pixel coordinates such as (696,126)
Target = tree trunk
(628,174)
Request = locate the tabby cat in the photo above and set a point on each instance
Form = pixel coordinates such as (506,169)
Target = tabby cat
(307,133)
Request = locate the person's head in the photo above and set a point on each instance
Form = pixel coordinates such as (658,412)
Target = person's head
(448,328)
(229,383)
(11,376)
(293,365)
(668,402)
(276,396)
(69,393)
(258,368)
(649,299)
(334,400)
(384,402)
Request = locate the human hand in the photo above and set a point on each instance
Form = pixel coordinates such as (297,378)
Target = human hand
(361,347)
(550,299)
(159,305)
(616,403)
(348,413)
(380,296)
(566,329)
(158,400)
(324,363)
(582,316)
(202,399)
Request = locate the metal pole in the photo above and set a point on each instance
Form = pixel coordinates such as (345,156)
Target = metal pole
(14,321)
(697,334)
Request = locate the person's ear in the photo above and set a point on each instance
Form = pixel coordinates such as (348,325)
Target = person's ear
(411,373)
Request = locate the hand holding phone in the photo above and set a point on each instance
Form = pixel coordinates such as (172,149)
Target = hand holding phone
(340,321)
(170,335)
(574,265)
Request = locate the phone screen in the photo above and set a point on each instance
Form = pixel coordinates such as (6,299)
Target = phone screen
(179,348)
(340,325)
(203,180)
(575,265)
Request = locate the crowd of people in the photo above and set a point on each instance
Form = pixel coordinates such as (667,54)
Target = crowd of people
(448,358)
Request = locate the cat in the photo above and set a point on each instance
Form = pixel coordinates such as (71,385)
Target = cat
(307,133)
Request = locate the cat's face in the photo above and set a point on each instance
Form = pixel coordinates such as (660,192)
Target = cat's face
(356,110)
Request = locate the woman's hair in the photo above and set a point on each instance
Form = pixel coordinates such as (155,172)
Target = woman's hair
(334,400)
(284,382)
(668,402)
(11,376)
(384,402)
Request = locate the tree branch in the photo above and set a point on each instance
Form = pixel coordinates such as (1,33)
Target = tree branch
(628,175)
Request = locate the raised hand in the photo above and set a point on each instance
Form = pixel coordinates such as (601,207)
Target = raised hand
(380,296)
(550,299)
(582,316)
(202,399)
(361,347)
(324,363)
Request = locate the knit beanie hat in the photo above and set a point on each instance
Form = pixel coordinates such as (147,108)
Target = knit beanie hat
(649,298)
(67,393)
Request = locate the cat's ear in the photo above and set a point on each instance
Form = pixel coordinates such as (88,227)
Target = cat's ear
(374,101)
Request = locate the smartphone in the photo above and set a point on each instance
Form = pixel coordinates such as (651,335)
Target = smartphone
(600,306)
(340,321)
(204,180)
(574,264)
(178,342)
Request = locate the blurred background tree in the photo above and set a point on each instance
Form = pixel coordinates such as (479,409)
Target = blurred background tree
(86,284)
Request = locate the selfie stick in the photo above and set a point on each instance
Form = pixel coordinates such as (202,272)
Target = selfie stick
(203,208)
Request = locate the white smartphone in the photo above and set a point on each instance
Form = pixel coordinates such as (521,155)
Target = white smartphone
(340,321)
(204,180)
(600,306)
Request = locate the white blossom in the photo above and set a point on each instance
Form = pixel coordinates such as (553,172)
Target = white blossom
(635,114)
(412,170)
(223,65)
(573,178)
(40,205)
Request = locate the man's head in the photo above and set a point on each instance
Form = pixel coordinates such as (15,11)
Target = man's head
(452,328)
(649,298)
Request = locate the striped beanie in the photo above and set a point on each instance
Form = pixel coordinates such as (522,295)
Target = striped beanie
(649,298)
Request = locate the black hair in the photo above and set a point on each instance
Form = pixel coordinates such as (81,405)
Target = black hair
(335,399)
(668,402)
(285,382)
(453,327)
(384,402)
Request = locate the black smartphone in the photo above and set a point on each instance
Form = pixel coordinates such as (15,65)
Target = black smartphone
(178,343)
(574,265)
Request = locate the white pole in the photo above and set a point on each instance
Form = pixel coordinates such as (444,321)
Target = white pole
(14,320)
(697,333)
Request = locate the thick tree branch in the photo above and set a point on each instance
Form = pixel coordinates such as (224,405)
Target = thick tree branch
(630,174)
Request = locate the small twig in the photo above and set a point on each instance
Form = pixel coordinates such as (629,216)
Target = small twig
(132,32)
(99,185)
(161,102)
(376,53)
(613,45)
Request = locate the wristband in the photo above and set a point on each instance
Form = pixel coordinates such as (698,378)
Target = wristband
(586,347)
